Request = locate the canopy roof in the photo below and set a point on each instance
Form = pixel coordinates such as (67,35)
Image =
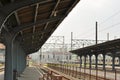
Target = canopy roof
(32,21)
(109,46)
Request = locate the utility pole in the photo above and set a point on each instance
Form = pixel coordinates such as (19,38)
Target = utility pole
(71,44)
(71,40)
(63,49)
(115,37)
(40,55)
(107,36)
(96,33)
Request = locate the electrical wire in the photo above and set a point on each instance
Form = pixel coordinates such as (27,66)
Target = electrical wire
(111,26)
(115,14)
(87,35)
(104,21)
(84,33)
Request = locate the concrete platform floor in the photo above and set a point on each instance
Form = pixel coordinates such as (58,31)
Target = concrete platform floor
(30,73)
(1,75)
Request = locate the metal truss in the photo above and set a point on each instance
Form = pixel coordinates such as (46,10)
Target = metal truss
(80,43)
(54,43)
(58,43)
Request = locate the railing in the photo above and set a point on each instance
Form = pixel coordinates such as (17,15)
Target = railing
(85,73)
(50,74)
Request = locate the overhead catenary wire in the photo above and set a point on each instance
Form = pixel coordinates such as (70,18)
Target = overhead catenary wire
(107,19)
(85,34)
(109,27)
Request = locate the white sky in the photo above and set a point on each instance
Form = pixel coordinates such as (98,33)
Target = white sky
(81,21)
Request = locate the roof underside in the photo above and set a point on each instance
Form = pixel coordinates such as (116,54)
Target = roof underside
(109,46)
(36,22)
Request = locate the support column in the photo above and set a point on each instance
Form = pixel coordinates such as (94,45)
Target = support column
(96,66)
(12,58)
(113,62)
(85,62)
(96,61)
(8,60)
(90,61)
(104,62)
(15,48)
(80,61)
(85,65)
(15,57)
(119,60)
(21,60)
(18,61)
(80,65)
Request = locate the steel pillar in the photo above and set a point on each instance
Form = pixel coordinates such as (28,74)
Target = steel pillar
(104,62)
(15,48)
(80,61)
(96,66)
(119,60)
(8,61)
(14,61)
(18,61)
(90,61)
(96,61)
(84,65)
(10,55)
(80,65)
(113,62)
(21,60)
(24,61)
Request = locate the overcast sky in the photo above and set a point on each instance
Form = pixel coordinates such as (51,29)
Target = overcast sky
(81,21)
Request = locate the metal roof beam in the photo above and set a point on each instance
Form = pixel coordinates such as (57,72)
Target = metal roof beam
(35,18)
(35,33)
(18,21)
(30,41)
(17,18)
(32,46)
(40,22)
(9,9)
(53,12)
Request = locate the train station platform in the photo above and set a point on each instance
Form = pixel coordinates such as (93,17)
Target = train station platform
(1,75)
(40,73)
(30,73)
